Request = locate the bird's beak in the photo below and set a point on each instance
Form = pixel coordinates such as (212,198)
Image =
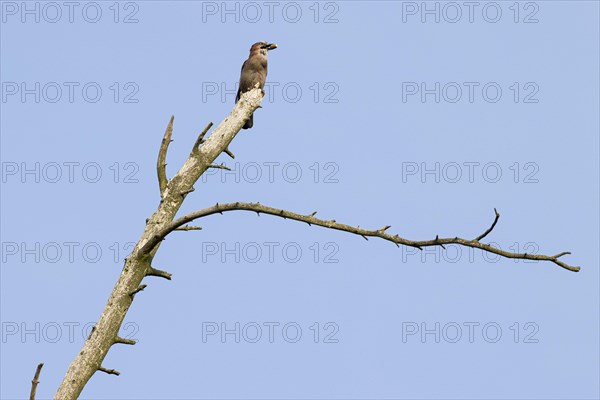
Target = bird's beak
(272,46)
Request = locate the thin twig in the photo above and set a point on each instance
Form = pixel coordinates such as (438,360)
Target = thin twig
(121,340)
(219,166)
(139,289)
(228,152)
(109,371)
(188,191)
(159,273)
(200,139)
(491,228)
(332,224)
(189,228)
(35,381)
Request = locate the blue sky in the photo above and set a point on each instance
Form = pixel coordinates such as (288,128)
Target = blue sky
(422,116)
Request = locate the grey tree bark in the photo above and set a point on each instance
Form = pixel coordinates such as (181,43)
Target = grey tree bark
(173,192)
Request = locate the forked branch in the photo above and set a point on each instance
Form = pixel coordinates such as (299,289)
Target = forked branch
(365,233)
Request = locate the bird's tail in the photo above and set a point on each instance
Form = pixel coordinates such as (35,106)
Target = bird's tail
(249,123)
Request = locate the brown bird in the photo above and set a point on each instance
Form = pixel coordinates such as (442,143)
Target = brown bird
(254,70)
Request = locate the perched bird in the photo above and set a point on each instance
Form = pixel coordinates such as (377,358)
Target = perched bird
(254,70)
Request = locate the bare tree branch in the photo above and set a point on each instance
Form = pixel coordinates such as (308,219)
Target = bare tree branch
(109,371)
(139,265)
(161,163)
(121,340)
(332,224)
(35,381)
(491,228)
(200,139)
(229,153)
(189,228)
(139,289)
(159,273)
(219,166)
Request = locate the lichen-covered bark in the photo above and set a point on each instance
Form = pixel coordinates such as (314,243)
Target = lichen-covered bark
(138,264)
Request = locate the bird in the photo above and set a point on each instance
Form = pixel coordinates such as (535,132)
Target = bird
(254,70)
